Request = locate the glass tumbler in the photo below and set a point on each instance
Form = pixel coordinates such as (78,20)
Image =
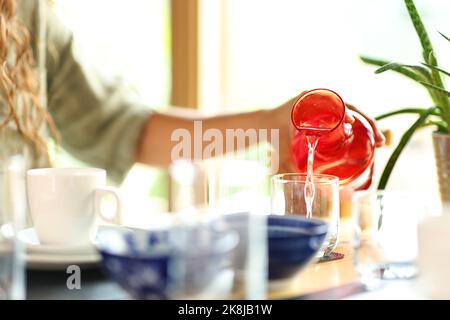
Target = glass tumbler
(288,197)
(12,221)
(233,192)
(385,234)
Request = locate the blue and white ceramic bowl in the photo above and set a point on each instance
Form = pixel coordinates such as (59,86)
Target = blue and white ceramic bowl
(159,264)
(292,241)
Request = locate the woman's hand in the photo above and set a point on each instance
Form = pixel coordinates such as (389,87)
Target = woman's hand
(280,118)
(379,137)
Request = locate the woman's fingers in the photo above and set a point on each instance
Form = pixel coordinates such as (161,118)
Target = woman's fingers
(349,118)
(380,140)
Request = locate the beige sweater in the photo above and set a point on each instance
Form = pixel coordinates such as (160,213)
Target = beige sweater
(99,120)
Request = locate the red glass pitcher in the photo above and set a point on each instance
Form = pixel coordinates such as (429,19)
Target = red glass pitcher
(346,143)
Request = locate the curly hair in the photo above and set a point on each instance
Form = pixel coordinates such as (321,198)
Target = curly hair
(19,81)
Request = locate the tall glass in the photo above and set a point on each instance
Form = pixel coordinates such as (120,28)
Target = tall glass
(227,185)
(189,185)
(203,262)
(385,237)
(12,221)
(221,188)
(288,198)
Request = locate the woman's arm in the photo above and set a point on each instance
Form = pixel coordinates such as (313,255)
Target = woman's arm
(155,144)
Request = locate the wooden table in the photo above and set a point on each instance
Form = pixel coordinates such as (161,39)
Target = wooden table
(314,279)
(318,277)
(309,284)
(322,276)
(51,285)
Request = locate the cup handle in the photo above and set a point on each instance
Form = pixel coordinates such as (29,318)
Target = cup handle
(99,193)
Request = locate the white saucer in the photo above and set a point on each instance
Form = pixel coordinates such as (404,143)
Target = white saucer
(61,262)
(51,257)
(31,241)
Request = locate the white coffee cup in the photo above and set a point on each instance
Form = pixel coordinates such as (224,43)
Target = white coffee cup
(65,202)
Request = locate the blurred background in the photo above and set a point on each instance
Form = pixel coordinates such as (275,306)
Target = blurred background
(234,55)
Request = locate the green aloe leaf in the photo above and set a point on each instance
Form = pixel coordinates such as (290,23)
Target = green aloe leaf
(374,61)
(428,52)
(437,69)
(404,71)
(402,144)
(403,111)
(436,88)
(395,66)
(441,125)
(445,37)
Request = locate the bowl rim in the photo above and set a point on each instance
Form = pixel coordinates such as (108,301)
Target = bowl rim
(316,226)
(228,244)
(295,232)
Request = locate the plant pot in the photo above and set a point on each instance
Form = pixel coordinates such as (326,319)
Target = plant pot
(441,144)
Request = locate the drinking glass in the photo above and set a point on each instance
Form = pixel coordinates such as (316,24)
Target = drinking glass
(242,199)
(202,264)
(288,198)
(12,221)
(220,189)
(385,234)
(189,185)
(227,185)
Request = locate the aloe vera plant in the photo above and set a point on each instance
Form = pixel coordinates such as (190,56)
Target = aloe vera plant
(431,77)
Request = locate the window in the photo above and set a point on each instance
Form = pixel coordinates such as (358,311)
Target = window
(258,53)
(274,49)
(128,39)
